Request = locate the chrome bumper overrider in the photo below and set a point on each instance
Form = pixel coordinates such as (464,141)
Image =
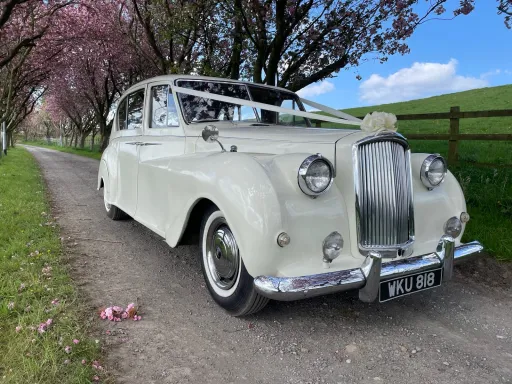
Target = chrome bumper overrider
(368,277)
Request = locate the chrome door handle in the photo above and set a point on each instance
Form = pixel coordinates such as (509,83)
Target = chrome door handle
(135,143)
(150,144)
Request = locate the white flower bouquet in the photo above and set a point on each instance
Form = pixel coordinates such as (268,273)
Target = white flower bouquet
(379,121)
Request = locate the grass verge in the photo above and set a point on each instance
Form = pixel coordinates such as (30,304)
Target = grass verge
(94,154)
(40,313)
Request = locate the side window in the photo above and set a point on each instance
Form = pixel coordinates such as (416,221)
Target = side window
(121,115)
(163,109)
(135,108)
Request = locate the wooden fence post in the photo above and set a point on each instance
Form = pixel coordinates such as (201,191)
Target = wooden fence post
(453,147)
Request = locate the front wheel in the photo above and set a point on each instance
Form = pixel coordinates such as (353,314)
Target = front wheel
(228,281)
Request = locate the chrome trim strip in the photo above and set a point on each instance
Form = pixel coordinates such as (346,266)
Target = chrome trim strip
(301,287)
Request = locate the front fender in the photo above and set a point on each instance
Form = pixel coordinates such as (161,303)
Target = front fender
(260,198)
(240,188)
(433,208)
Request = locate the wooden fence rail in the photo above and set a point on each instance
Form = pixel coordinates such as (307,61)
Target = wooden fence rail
(454,135)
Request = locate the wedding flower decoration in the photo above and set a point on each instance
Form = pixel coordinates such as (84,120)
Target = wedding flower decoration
(379,121)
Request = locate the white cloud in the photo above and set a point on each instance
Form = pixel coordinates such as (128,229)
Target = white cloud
(316,89)
(420,80)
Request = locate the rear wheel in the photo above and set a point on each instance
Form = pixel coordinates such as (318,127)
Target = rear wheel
(112,211)
(228,281)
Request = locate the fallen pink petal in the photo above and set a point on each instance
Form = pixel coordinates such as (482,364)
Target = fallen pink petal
(67,349)
(18,329)
(84,362)
(117,313)
(76,341)
(10,306)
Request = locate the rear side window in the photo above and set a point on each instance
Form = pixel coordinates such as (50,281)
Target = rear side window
(163,109)
(121,115)
(135,109)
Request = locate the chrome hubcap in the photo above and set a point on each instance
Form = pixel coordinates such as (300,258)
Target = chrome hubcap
(222,254)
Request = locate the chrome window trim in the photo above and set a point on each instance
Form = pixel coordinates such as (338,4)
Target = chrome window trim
(303,169)
(425,168)
(400,250)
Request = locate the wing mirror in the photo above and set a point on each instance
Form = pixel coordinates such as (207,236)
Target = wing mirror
(211,134)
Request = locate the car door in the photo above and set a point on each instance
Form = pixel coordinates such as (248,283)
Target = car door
(164,141)
(130,139)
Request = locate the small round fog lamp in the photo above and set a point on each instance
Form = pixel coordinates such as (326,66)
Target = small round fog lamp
(283,239)
(453,227)
(464,217)
(332,246)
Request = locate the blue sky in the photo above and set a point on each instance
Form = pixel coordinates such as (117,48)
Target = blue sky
(468,52)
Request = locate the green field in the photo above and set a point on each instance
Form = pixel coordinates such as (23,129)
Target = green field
(488,190)
(35,287)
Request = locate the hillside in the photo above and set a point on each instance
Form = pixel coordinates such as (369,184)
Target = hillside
(474,100)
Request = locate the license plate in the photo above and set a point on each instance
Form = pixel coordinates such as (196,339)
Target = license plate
(406,285)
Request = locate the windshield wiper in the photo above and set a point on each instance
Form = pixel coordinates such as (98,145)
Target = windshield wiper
(260,125)
(205,121)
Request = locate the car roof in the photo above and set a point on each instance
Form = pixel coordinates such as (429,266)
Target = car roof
(171,78)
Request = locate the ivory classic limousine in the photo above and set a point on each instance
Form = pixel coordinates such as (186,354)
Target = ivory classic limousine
(282,210)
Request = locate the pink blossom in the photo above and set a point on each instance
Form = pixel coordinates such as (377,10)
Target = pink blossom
(55,302)
(18,329)
(96,365)
(67,349)
(76,341)
(49,322)
(96,378)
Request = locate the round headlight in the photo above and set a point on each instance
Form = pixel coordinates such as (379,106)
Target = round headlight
(315,175)
(433,171)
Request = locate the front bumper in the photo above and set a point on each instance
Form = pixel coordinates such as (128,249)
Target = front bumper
(368,277)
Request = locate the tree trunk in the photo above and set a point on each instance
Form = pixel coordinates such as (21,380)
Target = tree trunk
(92,142)
(82,141)
(76,140)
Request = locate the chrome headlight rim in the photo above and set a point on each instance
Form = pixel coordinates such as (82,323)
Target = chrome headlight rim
(303,170)
(425,169)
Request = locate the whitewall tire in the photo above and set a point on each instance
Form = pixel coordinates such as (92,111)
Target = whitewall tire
(228,281)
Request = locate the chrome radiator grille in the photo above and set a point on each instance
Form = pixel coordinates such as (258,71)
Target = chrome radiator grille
(383,194)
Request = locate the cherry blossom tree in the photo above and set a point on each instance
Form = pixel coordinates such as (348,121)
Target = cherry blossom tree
(96,64)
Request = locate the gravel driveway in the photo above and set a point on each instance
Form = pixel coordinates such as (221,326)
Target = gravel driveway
(458,333)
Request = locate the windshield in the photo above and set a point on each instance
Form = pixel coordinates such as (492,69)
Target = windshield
(199,109)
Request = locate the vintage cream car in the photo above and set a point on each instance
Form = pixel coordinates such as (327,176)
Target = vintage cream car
(283,210)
